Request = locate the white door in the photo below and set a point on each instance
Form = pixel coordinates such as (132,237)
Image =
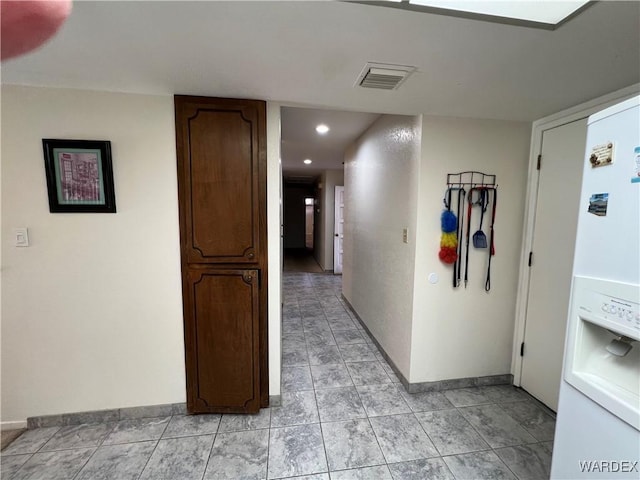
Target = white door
(556,217)
(338,230)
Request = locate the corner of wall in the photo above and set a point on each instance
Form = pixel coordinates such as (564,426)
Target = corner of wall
(274,246)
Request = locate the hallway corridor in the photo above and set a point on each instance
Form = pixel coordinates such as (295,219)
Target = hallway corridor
(300,260)
(344,416)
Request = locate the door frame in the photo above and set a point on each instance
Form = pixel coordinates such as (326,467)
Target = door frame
(531,201)
(336,220)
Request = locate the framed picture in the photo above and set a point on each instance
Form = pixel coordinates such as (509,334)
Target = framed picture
(79,176)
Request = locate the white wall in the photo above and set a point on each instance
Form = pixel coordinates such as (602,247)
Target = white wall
(324,248)
(92,310)
(381,198)
(466,333)
(274,220)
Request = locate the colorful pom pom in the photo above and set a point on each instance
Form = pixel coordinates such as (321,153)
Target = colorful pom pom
(448,255)
(449,240)
(448,221)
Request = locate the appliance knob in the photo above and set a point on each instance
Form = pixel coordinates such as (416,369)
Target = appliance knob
(612,309)
(605,307)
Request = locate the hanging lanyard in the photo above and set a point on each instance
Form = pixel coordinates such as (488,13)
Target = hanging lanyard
(492,252)
(457,266)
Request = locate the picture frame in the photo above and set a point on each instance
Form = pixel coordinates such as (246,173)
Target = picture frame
(79,176)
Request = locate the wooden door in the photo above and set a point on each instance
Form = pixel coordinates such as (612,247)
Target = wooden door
(223,337)
(221,146)
(553,246)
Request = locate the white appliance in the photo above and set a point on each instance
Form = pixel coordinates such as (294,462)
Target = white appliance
(598,422)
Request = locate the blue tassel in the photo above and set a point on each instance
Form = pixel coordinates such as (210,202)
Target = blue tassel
(449,222)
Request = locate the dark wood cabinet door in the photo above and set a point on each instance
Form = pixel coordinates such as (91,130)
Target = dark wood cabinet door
(221,147)
(219,151)
(222,332)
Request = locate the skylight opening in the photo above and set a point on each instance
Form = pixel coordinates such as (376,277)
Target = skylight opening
(546,14)
(552,12)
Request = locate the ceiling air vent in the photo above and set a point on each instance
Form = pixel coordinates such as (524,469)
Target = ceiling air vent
(384,77)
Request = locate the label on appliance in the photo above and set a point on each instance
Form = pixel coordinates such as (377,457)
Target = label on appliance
(636,177)
(598,203)
(601,155)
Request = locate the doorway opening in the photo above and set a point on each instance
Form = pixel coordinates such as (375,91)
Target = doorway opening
(299,226)
(313,146)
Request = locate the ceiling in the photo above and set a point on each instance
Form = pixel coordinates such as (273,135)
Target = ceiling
(309,54)
(301,141)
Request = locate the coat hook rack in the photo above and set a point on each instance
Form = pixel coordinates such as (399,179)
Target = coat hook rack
(471,179)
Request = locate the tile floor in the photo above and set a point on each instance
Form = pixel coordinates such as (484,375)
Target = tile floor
(344,415)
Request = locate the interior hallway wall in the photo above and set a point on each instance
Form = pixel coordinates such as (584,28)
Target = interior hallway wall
(92,310)
(459,333)
(381,198)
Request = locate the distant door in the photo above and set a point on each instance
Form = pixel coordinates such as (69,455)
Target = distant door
(338,230)
(556,218)
(309,223)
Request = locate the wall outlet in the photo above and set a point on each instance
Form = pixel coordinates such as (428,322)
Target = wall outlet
(21,237)
(405,235)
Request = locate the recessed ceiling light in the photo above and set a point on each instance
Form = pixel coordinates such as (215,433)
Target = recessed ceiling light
(322,129)
(307,161)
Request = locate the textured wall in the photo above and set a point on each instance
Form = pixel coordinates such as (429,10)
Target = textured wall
(381,198)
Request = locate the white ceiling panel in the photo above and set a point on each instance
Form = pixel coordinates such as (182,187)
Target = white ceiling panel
(311,53)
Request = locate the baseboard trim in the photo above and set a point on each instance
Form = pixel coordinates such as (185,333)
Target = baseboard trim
(403,380)
(453,383)
(449,384)
(13,425)
(110,415)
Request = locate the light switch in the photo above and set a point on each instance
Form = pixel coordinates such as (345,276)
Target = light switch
(405,235)
(21,237)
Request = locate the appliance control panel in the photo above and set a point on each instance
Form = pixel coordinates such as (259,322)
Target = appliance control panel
(623,311)
(618,314)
